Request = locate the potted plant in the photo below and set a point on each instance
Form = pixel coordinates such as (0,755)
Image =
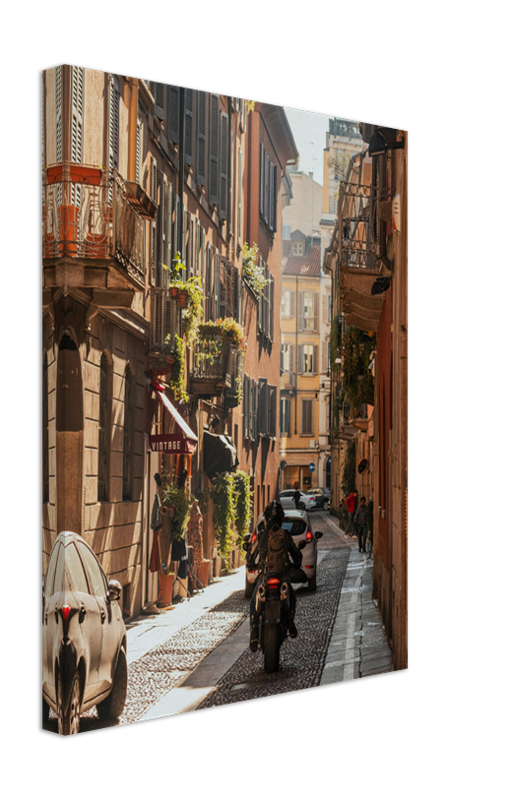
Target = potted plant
(166,587)
(175,280)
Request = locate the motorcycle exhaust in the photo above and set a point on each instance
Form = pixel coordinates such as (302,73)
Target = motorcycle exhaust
(260,598)
(284,591)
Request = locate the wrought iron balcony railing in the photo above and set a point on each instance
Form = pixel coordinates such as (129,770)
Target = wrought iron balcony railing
(362,235)
(213,366)
(90,213)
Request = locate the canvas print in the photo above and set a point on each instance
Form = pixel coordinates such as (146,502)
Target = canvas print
(224,396)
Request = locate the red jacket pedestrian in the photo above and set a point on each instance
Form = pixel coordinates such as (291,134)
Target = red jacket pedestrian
(350,502)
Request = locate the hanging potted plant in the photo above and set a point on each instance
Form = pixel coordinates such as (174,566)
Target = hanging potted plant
(175,280)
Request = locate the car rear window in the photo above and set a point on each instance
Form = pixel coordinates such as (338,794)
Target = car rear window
(74,573)
(50,572)
(295,526)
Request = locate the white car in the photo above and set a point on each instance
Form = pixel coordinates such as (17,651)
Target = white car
(298,524)
(307,500)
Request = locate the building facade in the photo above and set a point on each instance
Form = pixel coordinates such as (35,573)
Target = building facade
(367,258)
(134,173)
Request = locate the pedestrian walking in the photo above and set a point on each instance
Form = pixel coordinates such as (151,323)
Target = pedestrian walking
(296,497)
(361,518)
(350,507)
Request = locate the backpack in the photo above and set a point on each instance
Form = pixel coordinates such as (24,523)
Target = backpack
(277,553)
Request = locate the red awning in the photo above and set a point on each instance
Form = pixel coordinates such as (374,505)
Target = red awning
(183,441)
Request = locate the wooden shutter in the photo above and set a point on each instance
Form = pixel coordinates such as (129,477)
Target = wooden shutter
(315,359)
(153,253)
(223,173)
(153,181)
(188,129)
(315,311)
(300,324)
(113,129)
(239,198)
(274,199)
(325,354)
(201,152)
(139,150)
(78,87)
(58,113)
(173,113)
(292,304)
(190,260)
(161,224)
(263,408)
(160,95)
(184,237)
(217,286)
(176,223)
(292,356)
(202,264)
(214,149)
(245,406)
(299,359)
(270,215)
(325,306)
(169,251)
(197,248)
(272,411)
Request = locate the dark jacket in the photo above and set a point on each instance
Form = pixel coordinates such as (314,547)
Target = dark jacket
(361,515)
(294,554)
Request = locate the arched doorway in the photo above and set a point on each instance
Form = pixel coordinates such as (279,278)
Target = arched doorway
(69,437)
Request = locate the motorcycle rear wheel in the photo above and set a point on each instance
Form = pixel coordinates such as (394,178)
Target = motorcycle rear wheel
(271,649)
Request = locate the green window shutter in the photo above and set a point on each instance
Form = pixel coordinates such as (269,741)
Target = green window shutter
(173,113)
(214,149)
(274,203)
(223,174)
(189,126)
(201,134)
(160,98)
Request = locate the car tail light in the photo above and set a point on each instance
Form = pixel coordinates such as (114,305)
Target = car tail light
(65,612)
(272,582)
(311,498)
(253,537)
(309,535)
(252,570)
(310,567)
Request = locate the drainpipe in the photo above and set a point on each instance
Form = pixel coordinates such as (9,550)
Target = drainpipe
(182,119)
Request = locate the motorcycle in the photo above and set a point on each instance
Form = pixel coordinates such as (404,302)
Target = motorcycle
(273,605)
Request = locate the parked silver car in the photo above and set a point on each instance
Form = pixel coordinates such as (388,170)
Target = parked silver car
(306,501)
(298,524)
(84,642)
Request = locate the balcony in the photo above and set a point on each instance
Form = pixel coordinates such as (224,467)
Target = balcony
(92,220)
(214,364)
(362,255)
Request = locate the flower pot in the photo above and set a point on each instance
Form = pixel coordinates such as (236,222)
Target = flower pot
(166,587)
(183,299)
(173,291)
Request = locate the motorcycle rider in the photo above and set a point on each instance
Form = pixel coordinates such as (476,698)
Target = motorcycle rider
(268,532)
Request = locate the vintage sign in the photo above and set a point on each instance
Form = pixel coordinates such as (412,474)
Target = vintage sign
(172,443)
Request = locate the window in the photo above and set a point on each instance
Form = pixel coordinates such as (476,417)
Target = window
(307,417)
(74,573)
(214,149)
(308,311)
(298,249)
(45,426)
(268,190)
(128,435)
(95,575)
(139,150)
(287,357)
(308,359)
(104,429)
(288,304)
(285,419)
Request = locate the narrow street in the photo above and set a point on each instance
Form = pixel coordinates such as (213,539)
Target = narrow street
(196,655)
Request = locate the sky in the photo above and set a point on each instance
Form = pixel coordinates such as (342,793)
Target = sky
(309,131)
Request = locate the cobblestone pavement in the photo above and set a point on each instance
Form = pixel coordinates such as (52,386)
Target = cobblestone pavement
(302,659)
(337,641)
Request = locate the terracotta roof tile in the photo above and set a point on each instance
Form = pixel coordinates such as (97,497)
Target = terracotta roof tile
(301,265)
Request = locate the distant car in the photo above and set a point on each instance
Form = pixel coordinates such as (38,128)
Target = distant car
(298,524)
(306,502)
(84,661)
(322,498)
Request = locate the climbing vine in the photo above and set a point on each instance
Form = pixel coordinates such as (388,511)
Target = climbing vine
(244,493)
(225,501)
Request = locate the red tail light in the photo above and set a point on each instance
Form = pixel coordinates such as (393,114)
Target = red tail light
(310,567)
(272,582)
(253,537)
(65,612)
(311,498)
(309,535)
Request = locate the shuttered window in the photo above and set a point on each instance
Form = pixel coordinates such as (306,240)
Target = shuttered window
(128,435)
(184,238)
(214,149)
(104,429)
(162,221)
(201,152)
(176,224)
(263,408)
(217,287)
(325,356)
(223,172)
(239,198)
(272,431)
(307,426)
(208,286)
(246,408)
(190,260)
(268,190)
(189,126)
(288,304)
(285,417)
(308,311)
(169,228)
(139,150)
(309,359)
(173,113)
(77,91)
(197,249)
(160,97)
(58,109)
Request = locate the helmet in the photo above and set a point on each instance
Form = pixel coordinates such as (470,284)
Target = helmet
(274,514)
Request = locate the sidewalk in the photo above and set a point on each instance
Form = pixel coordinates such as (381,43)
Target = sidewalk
(358,646)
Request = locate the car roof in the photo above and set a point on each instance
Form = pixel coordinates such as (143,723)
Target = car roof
(66,537)
(295,514)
